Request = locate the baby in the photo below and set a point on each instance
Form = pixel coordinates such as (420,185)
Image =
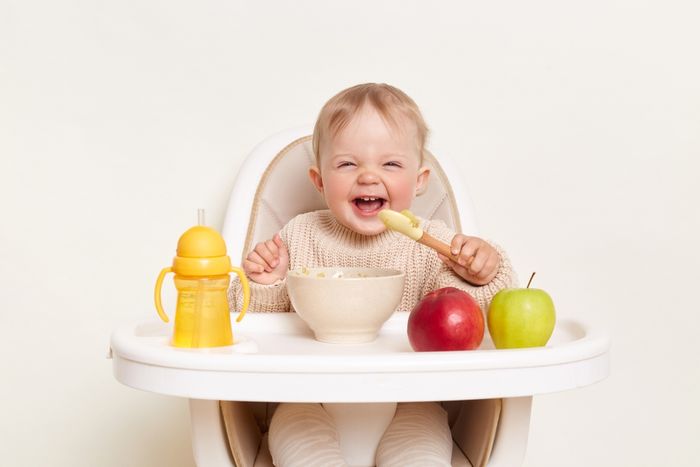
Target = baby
(369,143)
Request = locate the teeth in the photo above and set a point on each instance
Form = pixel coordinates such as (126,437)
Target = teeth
(368,198)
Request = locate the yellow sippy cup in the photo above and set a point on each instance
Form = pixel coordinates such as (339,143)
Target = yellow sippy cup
(201,268)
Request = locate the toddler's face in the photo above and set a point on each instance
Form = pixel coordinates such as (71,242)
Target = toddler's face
(367,167)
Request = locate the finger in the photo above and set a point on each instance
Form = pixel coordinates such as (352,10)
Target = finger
(259,259)
(465,261)
(457,243)
(452,261)
(274,249)
(255,258)
(282,248)
(466,256)
(263,251)
(460,270)
(491,267)
(479,262)
(251,267)
(488,271)
(457,268)
(469,248)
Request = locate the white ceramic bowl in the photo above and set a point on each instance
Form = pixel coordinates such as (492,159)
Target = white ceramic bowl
(345,305)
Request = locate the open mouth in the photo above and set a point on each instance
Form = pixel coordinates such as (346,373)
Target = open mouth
(369,204)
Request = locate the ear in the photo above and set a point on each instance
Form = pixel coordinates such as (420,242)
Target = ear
(422,180)
(316,179)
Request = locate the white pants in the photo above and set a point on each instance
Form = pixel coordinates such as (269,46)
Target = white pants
(304,435)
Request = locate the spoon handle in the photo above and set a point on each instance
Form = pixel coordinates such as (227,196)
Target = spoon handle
(440,246)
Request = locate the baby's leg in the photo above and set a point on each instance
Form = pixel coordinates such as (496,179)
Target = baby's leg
(417,436)
(304,435)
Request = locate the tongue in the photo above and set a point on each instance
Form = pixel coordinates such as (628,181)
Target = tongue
(369,205)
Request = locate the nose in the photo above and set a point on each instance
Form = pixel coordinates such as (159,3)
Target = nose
(368,177)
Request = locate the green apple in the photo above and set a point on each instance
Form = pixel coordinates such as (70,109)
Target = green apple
(521,317)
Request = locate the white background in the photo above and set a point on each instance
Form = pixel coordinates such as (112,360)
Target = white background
(576,123)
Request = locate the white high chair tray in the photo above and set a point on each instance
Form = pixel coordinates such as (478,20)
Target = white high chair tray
(276,359)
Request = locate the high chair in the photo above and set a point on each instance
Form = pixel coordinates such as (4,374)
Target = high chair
(233,391)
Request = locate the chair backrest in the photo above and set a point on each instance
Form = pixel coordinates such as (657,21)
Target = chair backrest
(273,186)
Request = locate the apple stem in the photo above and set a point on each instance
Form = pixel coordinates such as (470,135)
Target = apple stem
(530,281)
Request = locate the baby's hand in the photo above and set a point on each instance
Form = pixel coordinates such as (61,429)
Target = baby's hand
(476,261)
(268,262)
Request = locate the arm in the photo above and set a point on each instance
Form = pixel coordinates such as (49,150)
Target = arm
(263,298)
(266,267)
(492,270)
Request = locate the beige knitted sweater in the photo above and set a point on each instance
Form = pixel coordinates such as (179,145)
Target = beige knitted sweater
(317,239)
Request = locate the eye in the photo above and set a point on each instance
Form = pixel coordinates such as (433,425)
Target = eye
(345,164)
(393,164)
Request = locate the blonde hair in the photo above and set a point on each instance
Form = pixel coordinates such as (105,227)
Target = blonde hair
(390,102)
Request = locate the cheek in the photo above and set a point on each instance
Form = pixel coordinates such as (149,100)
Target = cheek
(405,186)
(335,189)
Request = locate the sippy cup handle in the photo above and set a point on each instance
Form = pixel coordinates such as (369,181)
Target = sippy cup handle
(246,291)
(159,284)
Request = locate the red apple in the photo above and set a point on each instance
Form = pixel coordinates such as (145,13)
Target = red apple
(446,319)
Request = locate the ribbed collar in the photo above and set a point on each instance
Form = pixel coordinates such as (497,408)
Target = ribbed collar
(332,230)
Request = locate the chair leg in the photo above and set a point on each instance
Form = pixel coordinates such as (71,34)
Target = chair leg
(209,441)
(512,434)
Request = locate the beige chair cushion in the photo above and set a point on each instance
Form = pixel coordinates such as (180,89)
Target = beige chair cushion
(286,191)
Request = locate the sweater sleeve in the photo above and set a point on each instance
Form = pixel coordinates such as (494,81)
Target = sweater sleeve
(263,298)
(443,276)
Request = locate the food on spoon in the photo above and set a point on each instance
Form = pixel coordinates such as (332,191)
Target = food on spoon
(406,223)
(446,319)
